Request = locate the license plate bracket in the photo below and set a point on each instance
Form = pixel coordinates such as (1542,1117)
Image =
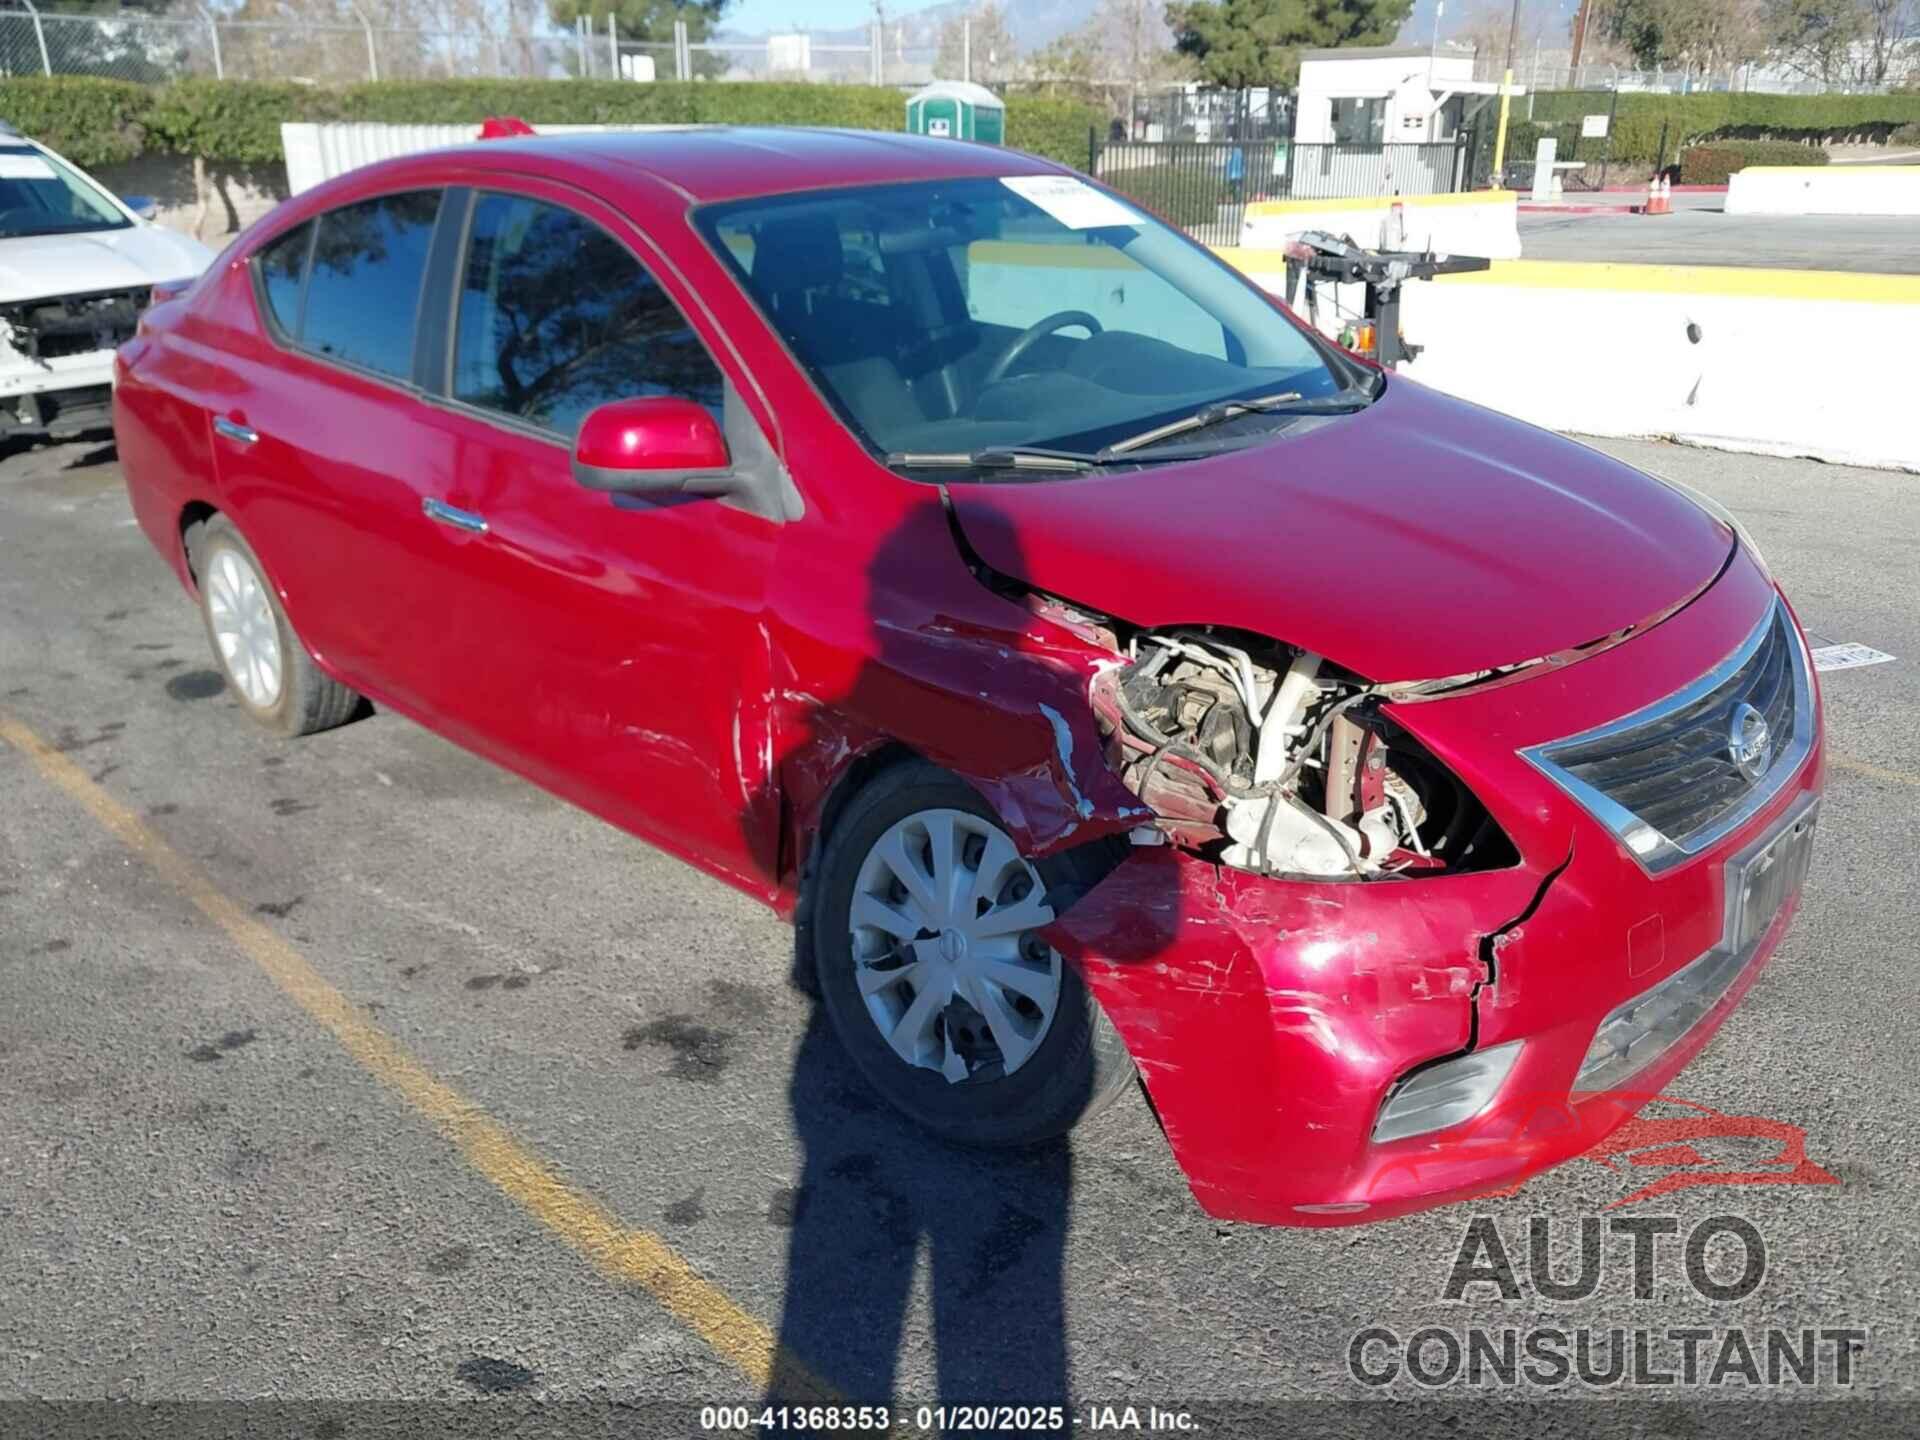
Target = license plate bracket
(1762,881)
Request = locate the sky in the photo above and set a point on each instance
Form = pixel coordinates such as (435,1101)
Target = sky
(753,16)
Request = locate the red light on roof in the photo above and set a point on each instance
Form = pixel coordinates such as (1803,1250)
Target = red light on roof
(504,127)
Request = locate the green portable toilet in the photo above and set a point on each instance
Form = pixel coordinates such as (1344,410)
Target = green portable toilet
(958,110)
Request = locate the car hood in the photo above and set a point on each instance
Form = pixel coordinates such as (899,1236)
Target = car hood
(1418,538)
(34,267)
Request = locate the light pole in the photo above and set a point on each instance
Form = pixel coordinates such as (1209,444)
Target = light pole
(1506,100)
(1439,9)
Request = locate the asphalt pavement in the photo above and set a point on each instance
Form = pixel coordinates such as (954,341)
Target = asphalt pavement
(354,1068)
(1700,232)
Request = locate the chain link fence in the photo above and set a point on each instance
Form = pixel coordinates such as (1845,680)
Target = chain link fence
(1545,69)
(150,49)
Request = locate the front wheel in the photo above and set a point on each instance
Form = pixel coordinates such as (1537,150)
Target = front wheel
(933,975)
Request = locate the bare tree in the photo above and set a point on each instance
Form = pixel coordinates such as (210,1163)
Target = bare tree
(1709,34)
(1891,48)
(977,46)
(1817,38)
(1124,49)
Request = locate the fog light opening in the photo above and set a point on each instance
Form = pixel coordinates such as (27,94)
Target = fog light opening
(1447,1094)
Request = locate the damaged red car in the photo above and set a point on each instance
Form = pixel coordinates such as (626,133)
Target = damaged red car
(1110,676)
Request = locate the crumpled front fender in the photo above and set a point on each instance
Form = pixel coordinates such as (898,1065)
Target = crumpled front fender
(1268,1017)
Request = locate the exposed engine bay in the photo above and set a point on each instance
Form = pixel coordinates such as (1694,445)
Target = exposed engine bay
(1271,759)
(71,324)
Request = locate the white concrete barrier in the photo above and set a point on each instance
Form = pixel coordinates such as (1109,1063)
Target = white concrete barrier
(1768,361)
(1825,190)
(317,152)
(1482,222)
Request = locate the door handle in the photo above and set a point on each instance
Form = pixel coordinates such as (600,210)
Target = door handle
(234,430)
(459,519)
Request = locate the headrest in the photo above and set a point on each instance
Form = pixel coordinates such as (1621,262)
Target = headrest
(798,254)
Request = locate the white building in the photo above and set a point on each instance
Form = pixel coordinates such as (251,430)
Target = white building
(1385,94)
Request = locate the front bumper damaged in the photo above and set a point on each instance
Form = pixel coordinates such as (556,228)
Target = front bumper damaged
(56,359)
(1271,1018)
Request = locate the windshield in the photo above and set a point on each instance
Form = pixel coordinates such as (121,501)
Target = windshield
(956,317)
(40,195)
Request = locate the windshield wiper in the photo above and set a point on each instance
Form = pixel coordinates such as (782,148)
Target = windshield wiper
(996,457)
(1289,402)
(1121,452)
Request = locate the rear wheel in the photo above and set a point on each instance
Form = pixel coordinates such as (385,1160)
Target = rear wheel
(266,667)
(925,945)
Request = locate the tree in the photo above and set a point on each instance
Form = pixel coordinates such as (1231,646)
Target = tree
(1124,48)
(642,20)
(1242,43)
(1707,33)
(1816,37)
(1892,48)
(1071,65)
(984,56)
(1485,28)
(1140,45)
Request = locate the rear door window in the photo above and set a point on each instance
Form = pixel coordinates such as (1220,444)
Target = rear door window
(363,288)
(557,317)
(283,270)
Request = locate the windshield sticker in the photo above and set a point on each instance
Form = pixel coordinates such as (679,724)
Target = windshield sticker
(16,166)
(1074,203)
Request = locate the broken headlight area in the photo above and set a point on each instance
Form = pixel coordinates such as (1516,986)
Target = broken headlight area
(58,326)
(1274,760)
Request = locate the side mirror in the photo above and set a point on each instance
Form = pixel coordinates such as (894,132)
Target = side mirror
(661,445)
(145,206)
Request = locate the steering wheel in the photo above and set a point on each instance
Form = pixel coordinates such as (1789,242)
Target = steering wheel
(1029,337)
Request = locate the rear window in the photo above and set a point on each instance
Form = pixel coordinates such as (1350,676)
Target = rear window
(283,269)
(363,285)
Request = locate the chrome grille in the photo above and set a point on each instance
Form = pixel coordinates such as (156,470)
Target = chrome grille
(1668,780)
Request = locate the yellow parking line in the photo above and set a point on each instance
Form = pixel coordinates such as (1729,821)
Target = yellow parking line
(622,1253)
(1875,772)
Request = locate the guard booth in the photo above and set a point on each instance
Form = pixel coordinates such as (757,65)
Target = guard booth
(958,110)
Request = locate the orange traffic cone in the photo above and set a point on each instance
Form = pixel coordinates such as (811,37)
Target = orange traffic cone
(1659,196)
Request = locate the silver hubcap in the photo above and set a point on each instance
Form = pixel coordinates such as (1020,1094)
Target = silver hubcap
(241,616)
(943,949)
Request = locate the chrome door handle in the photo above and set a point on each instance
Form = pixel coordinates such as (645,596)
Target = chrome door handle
(234,430)
(459,519)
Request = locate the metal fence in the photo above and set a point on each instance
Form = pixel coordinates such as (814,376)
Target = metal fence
(1206,188)
(1548,69)
(126,45)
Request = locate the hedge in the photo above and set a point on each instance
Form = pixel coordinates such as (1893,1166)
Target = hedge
(237,122)
(91,122)
(1639,119)
(1180,197)
(1712,164)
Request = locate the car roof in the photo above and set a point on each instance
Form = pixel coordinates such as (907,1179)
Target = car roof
(708,163)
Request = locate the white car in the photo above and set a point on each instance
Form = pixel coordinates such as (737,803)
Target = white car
(77,266)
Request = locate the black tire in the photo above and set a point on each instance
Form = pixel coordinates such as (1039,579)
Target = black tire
(309,699)
(1081,1065)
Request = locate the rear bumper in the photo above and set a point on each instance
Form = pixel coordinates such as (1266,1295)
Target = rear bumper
(1271,1018)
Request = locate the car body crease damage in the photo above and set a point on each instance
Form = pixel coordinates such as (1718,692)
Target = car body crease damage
(1226,985)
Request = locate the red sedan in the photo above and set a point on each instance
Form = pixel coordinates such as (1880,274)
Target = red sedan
(1108,675)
